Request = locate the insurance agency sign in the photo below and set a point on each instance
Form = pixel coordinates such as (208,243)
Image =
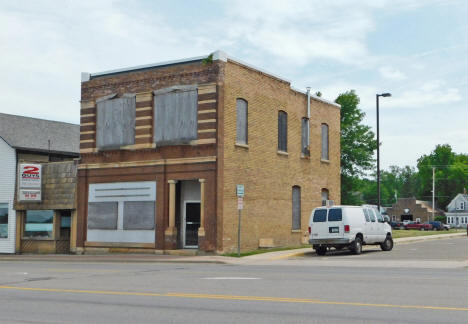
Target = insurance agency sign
(30,182)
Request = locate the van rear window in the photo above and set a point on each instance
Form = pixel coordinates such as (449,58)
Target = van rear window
(335,215)
(320,215)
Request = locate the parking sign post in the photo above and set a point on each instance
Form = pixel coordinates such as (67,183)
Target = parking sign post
(240,206)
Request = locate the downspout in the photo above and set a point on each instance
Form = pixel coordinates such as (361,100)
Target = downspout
(308,120)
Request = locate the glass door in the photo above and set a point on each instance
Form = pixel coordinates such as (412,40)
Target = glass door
(191,224)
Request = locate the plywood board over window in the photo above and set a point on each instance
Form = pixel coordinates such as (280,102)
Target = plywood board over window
(115,121)
(241,121)
(175,115)
(325,155)
(282,131)
(296,207)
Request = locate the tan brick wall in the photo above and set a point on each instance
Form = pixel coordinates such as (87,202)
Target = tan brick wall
(268,177)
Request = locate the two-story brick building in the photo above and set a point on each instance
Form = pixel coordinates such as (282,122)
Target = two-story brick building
(163,147)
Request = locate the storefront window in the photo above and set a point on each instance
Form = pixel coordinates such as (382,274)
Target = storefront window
(39,224)
(3,220)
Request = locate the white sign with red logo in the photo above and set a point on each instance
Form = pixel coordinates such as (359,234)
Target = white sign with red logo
(30,182)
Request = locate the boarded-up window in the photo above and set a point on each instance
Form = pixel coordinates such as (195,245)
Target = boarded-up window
(242,121)
(122,212)
(115,122)
(325,142)
(138,215)
(175,115)
(102,215)
(304,137)
(325,197)
(296,207)
(282,131)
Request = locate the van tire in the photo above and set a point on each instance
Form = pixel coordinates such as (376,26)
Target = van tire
(356,246)
(387,245)
(321,250)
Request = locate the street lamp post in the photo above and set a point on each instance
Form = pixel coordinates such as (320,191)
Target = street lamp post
(378,145)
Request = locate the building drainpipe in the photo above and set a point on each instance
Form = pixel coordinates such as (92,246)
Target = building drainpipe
(308,119)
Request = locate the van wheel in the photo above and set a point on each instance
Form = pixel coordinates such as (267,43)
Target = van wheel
(356,246)
(321,250)
(387,245)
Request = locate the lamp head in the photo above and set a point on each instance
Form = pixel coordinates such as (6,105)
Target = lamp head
(386,94)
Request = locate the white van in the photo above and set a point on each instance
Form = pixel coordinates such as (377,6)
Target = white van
(348,227)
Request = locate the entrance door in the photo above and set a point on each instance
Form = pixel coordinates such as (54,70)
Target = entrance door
(62,245)
(191,224)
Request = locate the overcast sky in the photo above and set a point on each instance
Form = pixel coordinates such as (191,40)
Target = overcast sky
(417,50)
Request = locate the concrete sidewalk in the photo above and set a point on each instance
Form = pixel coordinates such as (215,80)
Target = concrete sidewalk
(129,258)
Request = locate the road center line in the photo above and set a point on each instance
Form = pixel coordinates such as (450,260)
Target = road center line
(233,297)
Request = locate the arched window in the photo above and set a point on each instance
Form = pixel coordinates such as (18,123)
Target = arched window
(296,207)
(325,155)
(282,131)
(325,196)
(242,121)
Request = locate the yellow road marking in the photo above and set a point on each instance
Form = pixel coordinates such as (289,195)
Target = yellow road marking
(233,297)
(296,254)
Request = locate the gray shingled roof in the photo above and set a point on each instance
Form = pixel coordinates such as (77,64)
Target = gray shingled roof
(34,134)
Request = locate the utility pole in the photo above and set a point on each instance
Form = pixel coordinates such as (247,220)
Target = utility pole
(433,192)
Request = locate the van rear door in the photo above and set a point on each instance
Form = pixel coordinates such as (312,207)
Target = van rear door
(335,223)
(318,223)
(327,223)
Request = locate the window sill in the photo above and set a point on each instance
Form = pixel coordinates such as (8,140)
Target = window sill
(305,157)
(282,153)
(296,231)
(38,239)
(246,146)
(325,161)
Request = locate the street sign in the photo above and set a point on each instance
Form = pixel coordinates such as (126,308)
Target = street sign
(240,203)
(240,190)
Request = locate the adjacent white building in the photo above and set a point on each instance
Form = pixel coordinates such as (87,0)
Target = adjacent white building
(457,211)
(31,140)
(7,196)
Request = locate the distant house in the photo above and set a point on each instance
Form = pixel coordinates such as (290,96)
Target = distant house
(37,225)
(457,211)
(413,210)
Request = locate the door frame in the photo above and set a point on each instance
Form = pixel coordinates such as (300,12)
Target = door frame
(184,219)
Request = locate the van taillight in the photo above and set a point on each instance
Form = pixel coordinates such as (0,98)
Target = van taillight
(346,228)
(310,229)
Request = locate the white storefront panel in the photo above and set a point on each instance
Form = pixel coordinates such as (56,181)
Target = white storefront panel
(122,212)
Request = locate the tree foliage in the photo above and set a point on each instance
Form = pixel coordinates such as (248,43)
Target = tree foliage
(357,146)
(357,150)
(451,178)
(451,174)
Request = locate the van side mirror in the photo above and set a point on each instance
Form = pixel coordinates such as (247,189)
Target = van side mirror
(386,219)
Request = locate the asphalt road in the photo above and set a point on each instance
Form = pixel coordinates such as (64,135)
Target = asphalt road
(291,291)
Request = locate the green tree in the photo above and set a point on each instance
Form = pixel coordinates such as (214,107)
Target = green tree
(357,147)
(394,182)
(451,174)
